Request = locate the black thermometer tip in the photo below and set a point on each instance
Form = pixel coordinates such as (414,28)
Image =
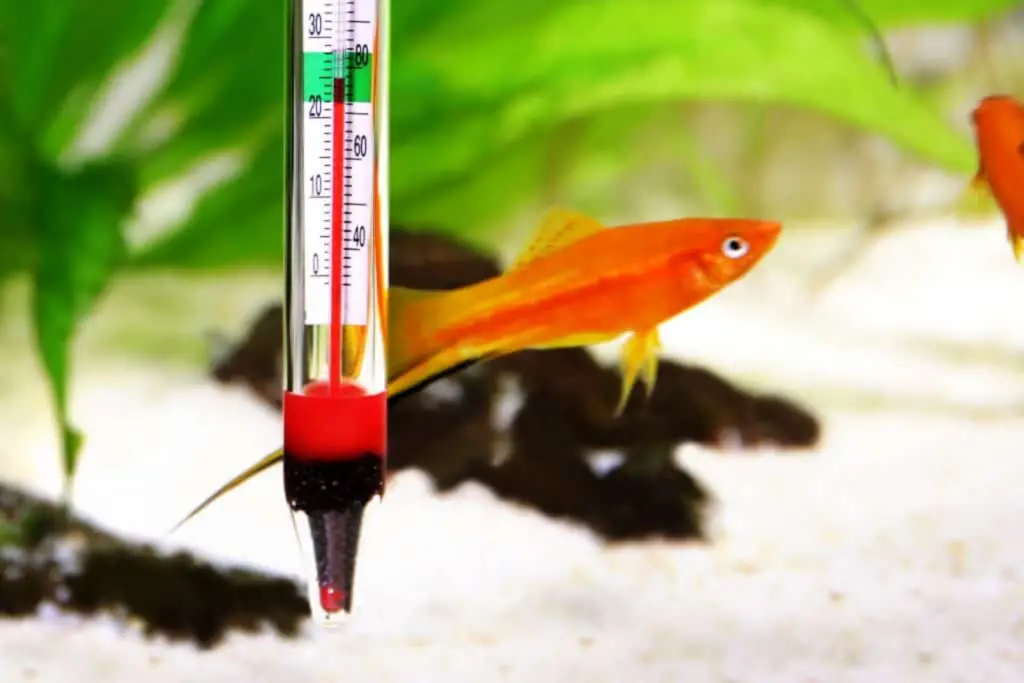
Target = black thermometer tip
(335,536)
(333,495)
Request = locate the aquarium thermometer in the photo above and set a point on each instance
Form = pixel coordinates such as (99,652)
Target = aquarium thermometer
(335,400)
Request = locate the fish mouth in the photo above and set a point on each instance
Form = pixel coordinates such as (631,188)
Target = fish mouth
(763,235)
(988,104)
(771,231)
(994,99)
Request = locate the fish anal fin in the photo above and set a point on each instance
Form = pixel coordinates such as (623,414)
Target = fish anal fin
(248,473)
(649,370)
(639,358)
(560,228)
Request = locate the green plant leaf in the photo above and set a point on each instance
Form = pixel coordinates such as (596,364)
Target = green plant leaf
(514,176)
(58,53)
(885,14)
(10,534)
(227,89)
(736,50)
(18,246)
(603,153)
(892,13)
(236,224)
(80,244)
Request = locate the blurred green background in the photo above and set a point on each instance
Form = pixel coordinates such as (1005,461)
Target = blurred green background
(144,137)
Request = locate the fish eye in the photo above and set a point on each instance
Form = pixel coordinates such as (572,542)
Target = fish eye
(735,247)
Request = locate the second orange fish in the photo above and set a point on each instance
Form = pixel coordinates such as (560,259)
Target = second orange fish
(999,133)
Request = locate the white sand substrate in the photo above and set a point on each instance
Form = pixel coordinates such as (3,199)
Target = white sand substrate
(892,553)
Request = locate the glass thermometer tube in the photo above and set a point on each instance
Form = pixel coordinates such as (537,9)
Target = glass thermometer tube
(335,402)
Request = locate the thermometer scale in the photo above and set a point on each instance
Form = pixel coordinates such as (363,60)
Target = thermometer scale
(338,159)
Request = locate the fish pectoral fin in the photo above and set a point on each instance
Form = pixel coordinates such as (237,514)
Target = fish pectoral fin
(639,357)
(978,181)
(560,228)
(979,187)
(976,198)
(266,462)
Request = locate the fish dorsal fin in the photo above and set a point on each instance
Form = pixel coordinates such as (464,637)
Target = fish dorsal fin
(560,228)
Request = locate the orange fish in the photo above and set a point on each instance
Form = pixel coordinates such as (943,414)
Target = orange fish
(577,283)
(999,132)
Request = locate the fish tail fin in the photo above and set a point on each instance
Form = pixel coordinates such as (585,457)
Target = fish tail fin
(245,475)
(414,354)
